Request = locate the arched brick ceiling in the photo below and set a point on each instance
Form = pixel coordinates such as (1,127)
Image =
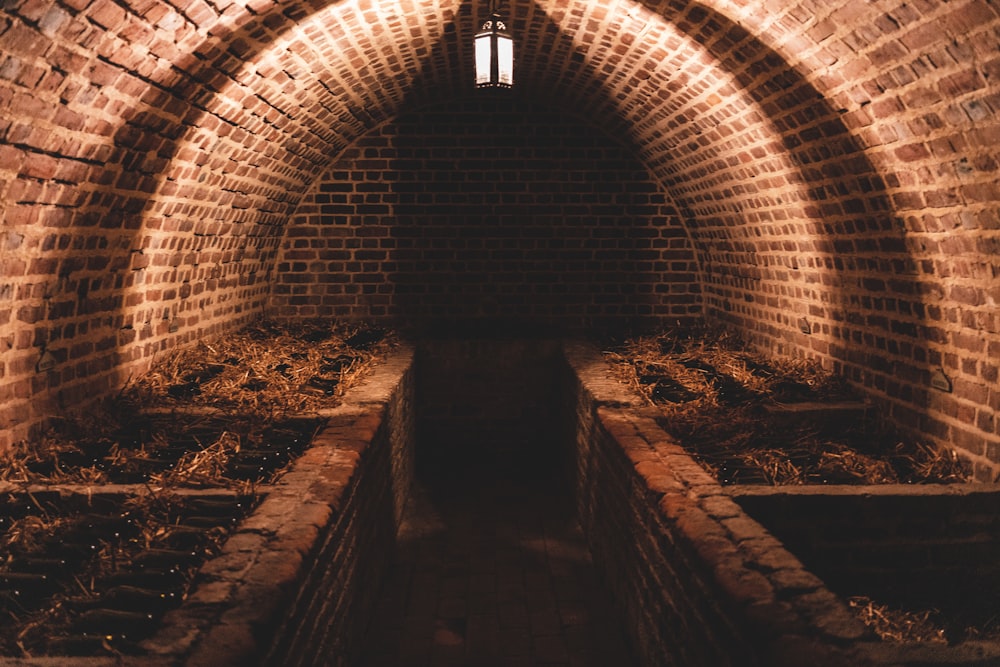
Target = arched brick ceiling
(696,94)
(834,161)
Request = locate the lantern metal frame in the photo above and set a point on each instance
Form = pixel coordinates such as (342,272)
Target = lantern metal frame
(494,53)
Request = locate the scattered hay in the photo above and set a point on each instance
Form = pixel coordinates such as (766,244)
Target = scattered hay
(710,362)
(898,625)
(951,621)
(204,467)
(134,560)
(266,370)
(185,424)
(712,391)
(241,383)
(28,534)
(54,458)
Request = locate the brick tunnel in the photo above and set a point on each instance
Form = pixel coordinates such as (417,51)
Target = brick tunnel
(819,178)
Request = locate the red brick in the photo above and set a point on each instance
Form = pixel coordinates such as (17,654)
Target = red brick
(106,14)
(694,136)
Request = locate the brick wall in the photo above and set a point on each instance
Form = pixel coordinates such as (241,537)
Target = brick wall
(832,162)
(296,582)
(699,582)
(488,213)
(926,546)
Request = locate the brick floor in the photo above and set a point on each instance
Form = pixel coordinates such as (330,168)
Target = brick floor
(492,571)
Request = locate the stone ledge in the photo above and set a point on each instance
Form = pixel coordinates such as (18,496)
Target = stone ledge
(786,612)
(756,587)
(242,595)
(855,490)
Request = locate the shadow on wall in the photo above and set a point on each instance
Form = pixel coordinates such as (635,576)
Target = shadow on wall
(518,218)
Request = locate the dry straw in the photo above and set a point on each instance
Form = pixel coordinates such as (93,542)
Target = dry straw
(223,391)
(898,625)
(712,390)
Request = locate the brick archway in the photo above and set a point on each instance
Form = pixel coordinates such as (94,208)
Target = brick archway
(151,155)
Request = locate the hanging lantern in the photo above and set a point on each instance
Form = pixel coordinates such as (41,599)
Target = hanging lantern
(494,54)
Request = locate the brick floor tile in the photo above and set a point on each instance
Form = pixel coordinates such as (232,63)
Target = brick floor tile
(540,600)
(510,593)
(483,637)
(515,642)
(418,625)
(448,656)
(392,659)
(452,607)
(454,585)
(545,622)
(489,581)
(483,602)
(414,648)
(518,661)
(567,588)
(573,614)
(537,581)
(513,614)
(483,564)
(510,577)
(449,632)
(550,648)
(482,583)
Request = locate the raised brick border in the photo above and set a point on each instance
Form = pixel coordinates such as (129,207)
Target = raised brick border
(699,581)
(297,578)
(370,446)
(294,580)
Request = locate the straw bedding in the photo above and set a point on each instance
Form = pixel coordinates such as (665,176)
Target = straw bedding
(184,420)
(220,417)
(714,392)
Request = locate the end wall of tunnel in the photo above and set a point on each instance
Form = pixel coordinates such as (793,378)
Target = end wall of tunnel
(489,215)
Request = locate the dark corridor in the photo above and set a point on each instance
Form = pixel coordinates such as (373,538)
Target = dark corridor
(491,565)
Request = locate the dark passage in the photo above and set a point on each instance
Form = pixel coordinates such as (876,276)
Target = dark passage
(492,568)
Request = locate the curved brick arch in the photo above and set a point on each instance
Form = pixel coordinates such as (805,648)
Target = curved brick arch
(773,253)
(167,173)
(97,96)
(488,214)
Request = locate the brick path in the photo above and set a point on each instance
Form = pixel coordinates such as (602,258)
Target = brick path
(492,573)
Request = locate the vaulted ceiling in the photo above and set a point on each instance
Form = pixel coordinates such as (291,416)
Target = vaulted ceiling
(838,152)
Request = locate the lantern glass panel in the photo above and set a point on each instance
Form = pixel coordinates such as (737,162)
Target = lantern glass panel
(483,58)
(505,54)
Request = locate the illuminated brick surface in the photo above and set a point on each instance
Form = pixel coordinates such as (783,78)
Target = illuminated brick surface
(828,161)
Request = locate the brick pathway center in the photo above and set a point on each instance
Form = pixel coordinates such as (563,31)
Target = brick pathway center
(492,571)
